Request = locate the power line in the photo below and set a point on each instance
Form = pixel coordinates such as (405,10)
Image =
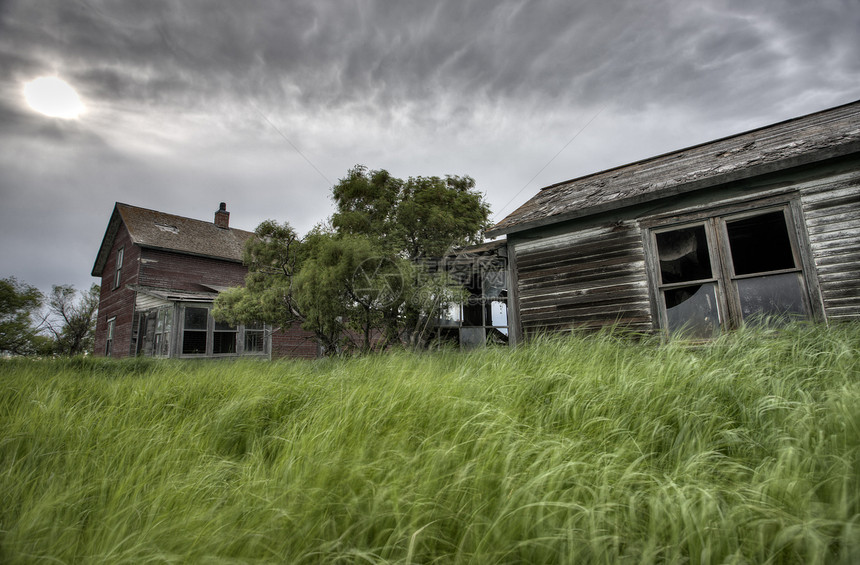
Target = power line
(549,162)
(293,145)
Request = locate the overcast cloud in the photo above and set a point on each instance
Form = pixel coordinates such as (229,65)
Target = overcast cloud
(265,104)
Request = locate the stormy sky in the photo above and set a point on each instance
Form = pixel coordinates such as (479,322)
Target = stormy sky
(265,104)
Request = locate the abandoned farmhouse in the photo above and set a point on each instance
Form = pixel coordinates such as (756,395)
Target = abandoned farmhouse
(760,225)
(764,223)
(160,274)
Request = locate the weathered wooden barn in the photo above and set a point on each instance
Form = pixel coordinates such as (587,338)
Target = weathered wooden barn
(160,274)
(763,224)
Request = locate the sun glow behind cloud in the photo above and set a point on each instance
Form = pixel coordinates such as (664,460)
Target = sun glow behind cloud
(53,97)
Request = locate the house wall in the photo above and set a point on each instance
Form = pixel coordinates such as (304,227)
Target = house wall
(831,207)
(593,276)
(294,342)
(118,302)
(175,271)
(592,272)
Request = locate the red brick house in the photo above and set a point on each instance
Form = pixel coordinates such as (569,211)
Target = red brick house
(160,274)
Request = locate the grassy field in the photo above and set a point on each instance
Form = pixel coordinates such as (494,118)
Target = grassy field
(579,450)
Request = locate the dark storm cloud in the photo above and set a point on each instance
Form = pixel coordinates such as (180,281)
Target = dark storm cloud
(376,55)
(193,102)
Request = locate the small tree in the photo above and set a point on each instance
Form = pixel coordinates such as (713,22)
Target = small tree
(364,280)
(71,319)
(19,303)
(418,218)
(413,222)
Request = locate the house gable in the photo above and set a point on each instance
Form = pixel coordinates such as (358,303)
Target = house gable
(152,229)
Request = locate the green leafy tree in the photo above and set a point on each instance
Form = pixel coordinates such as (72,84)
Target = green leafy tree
(71,318)
(415,222)
(19,304)
(422,217)
(366,279)
(273,259)
(336,306)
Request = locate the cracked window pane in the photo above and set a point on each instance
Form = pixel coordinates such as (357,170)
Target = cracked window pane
(692,310)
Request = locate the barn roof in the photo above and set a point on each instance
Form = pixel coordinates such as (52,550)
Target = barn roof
(799,141)
(159,230)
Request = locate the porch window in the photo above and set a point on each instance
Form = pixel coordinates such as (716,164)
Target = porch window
(195,331)
(161,338)
(224,339)
(254,339)
(726,270)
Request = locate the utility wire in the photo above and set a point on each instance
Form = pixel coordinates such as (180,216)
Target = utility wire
(293,145)
(549,162)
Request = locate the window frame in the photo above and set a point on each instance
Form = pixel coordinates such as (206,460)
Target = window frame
(715,278)
(117,276)
(216,331)
(238,332)
(109,336)
(206,331)
(162,338)
(477,276)
(715,220)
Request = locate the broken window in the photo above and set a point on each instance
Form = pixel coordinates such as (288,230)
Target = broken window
(163,325)
(483,317)
(765,272)
(728,270)
(687,283)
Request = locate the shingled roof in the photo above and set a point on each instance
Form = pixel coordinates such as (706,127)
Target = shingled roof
(799,141)
(159,230)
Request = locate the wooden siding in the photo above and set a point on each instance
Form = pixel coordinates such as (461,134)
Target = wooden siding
(831,208)
(118,302)
(176,271)
(588,278)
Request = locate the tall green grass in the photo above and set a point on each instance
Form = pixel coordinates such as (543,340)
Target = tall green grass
(573,450)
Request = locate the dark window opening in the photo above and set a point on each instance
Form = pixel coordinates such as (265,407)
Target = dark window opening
(195,331)
(194,343)
(760,244)
(224,339)
(684,255)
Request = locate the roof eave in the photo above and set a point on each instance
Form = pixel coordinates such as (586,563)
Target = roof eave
(107,243)
(190,253)
(675,190)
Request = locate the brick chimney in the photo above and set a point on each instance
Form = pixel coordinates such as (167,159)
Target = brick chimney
(222,217)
